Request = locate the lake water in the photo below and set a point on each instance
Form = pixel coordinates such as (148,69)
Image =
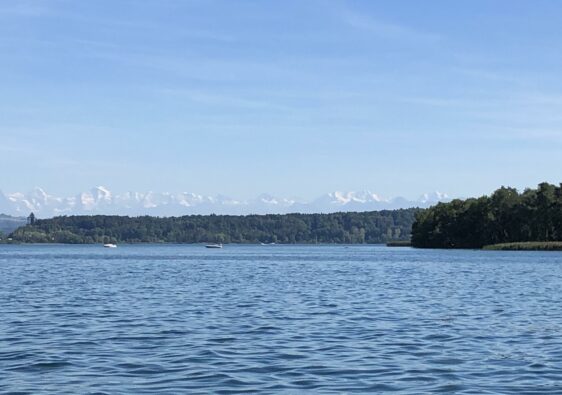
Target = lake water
(278,319)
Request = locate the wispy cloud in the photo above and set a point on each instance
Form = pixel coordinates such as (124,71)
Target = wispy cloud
(12,149)
(386,29)
(503,116)
(531,136)
(222,99)
(147,27)
(24,8)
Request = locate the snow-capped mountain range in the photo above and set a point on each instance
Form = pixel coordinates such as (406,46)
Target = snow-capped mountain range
(100,200)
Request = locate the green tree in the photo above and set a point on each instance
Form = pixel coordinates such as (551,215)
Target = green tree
(504,217)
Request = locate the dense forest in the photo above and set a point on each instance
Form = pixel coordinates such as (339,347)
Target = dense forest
(351,227)
(506,216)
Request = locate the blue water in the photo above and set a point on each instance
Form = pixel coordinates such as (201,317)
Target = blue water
(278,319)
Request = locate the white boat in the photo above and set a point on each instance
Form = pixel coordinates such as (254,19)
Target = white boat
(214,245)
(110,245)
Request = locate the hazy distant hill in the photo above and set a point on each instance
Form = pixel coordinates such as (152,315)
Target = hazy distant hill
(8,223)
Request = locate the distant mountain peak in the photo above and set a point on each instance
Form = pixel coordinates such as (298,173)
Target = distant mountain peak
(433,197)
(100,200)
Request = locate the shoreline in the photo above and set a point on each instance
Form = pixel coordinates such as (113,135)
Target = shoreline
(525,246)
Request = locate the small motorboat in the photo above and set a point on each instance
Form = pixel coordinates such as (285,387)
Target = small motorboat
(219,245)
(110,245)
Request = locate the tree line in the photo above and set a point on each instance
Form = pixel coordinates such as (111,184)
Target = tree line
(506,216)
(350,227)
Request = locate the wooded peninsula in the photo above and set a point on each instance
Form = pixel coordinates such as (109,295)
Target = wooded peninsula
(504,220)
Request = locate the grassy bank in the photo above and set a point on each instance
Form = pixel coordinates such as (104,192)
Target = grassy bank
(527,246)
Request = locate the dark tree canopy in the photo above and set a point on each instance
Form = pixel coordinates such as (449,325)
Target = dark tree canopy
(365,227)
(506,216)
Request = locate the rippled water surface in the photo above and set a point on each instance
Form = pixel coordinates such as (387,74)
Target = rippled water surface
(278,319)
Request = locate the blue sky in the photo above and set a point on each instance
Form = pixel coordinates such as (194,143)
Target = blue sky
(285,97)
